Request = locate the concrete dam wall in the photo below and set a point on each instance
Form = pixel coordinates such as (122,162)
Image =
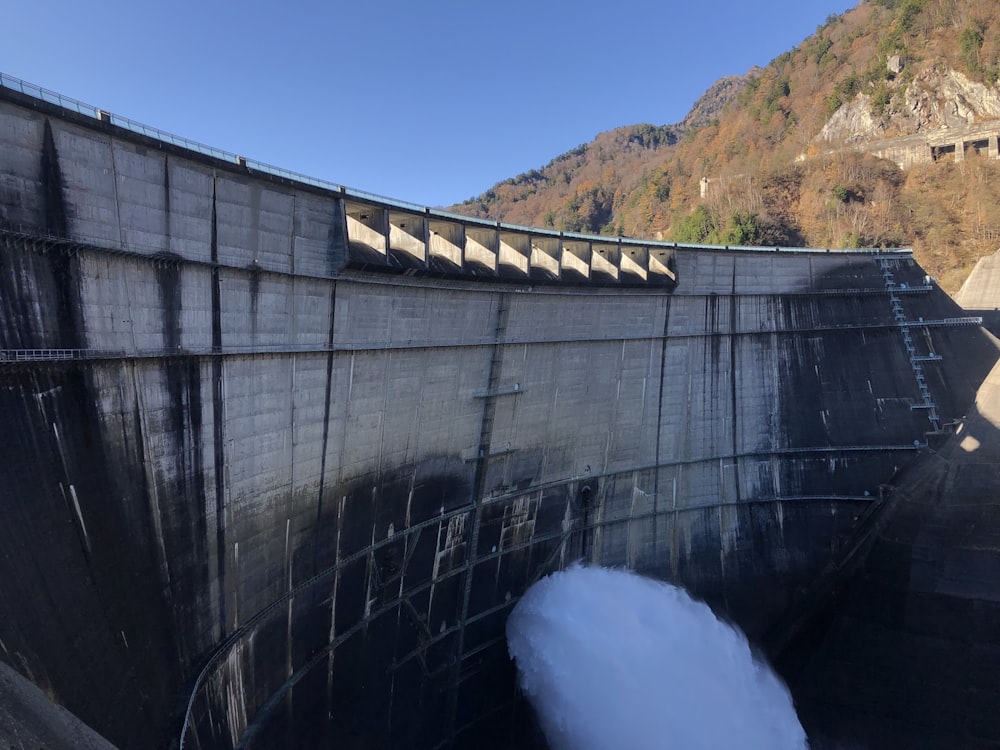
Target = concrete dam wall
(279,458)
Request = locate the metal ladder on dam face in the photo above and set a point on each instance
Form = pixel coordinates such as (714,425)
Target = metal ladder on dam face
(916,360)
(462,669)
(493,382)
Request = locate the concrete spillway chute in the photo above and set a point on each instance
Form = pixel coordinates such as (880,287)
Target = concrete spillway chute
(407,240)
(605,262)
(545,253)
(482,250)
(515,255)
(446,240)
(576,260)
(366,232)
(659,266)
(634,263)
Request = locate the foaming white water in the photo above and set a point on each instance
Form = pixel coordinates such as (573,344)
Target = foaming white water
(612,660)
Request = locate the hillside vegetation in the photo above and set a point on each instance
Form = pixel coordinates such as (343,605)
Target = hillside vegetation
(777,143)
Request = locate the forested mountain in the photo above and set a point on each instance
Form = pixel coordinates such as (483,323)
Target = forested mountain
(783,148)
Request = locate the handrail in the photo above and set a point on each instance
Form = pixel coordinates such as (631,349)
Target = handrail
(968,320)
(37,92)
(36,355)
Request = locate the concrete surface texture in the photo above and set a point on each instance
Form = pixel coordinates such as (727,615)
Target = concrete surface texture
(29,720)
(981,291)
(980,294)
(279,461)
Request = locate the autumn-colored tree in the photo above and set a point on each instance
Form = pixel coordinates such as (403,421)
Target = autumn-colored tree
(772,180)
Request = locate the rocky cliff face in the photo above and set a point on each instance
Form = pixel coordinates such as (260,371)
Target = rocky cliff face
(856,85)
(936,98)
(710,104)
(620,174)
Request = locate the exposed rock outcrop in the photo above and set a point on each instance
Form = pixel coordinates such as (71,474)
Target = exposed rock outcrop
(936,99)
(710,104)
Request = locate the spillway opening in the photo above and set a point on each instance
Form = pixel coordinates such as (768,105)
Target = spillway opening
(611,659)
(605,658)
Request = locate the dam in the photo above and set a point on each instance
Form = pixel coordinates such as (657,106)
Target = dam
(281,456)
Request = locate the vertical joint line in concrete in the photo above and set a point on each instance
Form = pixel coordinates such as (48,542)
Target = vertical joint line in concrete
(733,310)
(478,490)
(326,426)
(114,184)
(218,415)
(659,411)
(490,402)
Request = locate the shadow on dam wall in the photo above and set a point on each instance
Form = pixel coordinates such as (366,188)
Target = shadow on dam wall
(905,652)
(257,497)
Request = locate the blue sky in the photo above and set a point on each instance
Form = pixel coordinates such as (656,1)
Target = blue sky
(430,102)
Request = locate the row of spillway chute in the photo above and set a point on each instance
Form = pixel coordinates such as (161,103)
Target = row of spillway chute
(405,236)
(395,238)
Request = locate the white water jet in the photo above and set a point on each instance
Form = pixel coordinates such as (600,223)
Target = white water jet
(611,660)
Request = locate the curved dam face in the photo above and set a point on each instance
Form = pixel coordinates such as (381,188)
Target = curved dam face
(279,459)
